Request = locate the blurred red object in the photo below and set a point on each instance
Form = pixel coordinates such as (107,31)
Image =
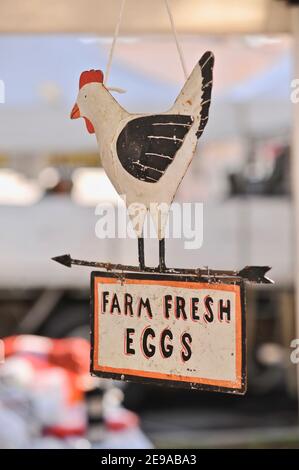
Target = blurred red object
(70,353)
(62,364)
(121,419)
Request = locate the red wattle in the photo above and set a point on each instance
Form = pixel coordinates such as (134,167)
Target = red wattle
(89,126)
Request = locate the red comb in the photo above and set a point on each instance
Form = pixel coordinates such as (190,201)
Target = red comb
(91,76)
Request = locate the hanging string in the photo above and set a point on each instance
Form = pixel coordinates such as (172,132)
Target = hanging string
(116,33)
(178,46)
(112,48)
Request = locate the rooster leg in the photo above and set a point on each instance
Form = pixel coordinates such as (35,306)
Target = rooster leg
(141,253)
(162,265)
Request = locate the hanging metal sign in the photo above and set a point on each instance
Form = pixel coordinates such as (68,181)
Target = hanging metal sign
(170,330)
(179,327)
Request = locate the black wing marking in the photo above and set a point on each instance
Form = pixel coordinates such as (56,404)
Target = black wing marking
(147,145)
(206,64)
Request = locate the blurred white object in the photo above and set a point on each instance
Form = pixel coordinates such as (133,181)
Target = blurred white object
(17,190)
(38,399)
(48,178)
(14,432)
(36,412)
(271,354)
(122,427)
(132,438)
(122,430)
(50,92)
(91,186)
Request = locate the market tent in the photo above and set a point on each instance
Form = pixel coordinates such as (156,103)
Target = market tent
(41,77)
(257,107)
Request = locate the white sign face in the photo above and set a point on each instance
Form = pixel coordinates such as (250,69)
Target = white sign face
(169,329)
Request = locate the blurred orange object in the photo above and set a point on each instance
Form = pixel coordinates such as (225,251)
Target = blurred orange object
(59,367)
(70,353)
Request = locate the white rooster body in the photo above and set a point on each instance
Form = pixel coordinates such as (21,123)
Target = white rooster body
(144,155)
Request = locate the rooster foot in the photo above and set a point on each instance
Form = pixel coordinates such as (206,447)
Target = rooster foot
(162,265)
(141,253)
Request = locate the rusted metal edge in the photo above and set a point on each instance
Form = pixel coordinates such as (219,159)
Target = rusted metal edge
(255,274)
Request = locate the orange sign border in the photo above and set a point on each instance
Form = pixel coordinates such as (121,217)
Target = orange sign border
(172,281)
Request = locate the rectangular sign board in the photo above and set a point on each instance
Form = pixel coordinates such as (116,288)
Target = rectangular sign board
(168,329)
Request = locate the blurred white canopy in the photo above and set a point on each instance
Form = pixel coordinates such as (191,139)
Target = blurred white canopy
(41,72)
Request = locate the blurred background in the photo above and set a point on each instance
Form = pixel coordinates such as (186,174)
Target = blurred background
(51,181)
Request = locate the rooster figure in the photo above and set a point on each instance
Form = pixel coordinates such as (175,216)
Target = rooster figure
(146,156)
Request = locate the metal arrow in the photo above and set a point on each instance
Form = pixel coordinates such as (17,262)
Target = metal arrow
(254,274)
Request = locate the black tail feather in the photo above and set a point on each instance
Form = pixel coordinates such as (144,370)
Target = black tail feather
(206,64)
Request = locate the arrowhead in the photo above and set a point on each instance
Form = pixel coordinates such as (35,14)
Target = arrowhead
(65,260)
(256,274)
